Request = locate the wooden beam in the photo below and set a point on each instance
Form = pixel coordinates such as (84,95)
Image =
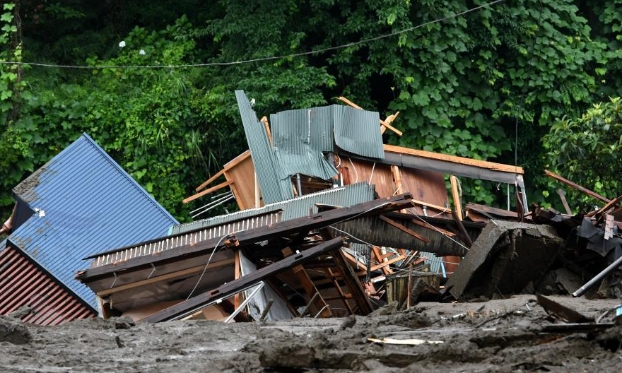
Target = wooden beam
(185,272)
(454,159)
(237,299)
(431,205)
(384,264)
(376,251)
(609,205)
(404,229)
(353,284)
(562,196)
(264,120)
(384,123)
(307,284)
(349,103)
(211,180)
(575,186)
(387,124)
(397,178)
(187,307)
(208,191)
(456,196)
(344,297)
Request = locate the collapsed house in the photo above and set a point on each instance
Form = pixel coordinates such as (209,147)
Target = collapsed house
(328,215)
(80,202)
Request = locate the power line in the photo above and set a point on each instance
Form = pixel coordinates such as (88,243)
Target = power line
(262,59)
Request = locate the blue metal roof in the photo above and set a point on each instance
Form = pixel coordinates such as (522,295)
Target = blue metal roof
(84,203)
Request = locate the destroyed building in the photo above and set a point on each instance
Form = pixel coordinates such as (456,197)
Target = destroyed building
(328,213)
(78,203)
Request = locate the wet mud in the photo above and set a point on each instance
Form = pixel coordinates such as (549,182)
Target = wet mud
(505,335)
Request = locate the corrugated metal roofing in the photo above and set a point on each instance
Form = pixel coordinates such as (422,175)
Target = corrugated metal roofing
(358,131)
(300,137)
(346,196)
(84,203)
(186,238)
(22,283)
(274,186)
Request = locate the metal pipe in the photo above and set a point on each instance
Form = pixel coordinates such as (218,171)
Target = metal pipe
(220,202)
(612,267)
(258,287)
(220,197)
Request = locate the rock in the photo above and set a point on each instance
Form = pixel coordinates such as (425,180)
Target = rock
(14,331)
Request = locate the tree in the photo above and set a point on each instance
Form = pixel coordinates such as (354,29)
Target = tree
(586,148)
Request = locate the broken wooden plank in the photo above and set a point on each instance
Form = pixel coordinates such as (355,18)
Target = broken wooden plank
(376,252)
(208,191)
(562,197)
(309,287)
(384,123)
(353,284)
(431,205)
(187,307)
(397,179)
(266,125)
(342,296)
(404,229)
(455,193)
(614,202)
(463,232)
(211,180)
(575,186)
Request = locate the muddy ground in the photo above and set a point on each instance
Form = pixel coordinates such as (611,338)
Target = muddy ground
(496,336)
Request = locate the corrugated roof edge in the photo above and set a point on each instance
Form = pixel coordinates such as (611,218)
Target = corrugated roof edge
(131,179)
(44,270)
(109,159)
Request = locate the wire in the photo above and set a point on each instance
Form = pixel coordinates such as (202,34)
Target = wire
(262,59)
(438,230)
(352,236)
(372,173)
(208,262)
(355,171)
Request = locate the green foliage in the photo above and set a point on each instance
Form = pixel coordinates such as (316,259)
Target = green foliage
(585,149)
(464,86)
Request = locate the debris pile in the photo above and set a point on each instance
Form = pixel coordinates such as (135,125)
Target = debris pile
(332,222)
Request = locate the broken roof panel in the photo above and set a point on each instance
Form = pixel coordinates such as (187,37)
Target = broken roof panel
(26,285)
(295,208)
(83,203)
(308,128)
(274,187)
(357,131)
(300,137)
